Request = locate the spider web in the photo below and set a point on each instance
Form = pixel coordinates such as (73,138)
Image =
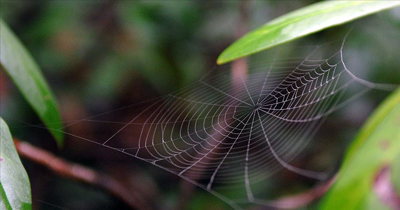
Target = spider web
(223,135)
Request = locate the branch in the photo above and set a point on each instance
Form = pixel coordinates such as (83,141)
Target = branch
(305,198)
(82,174)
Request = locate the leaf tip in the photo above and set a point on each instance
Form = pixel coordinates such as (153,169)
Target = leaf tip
(220,61)
(59,138)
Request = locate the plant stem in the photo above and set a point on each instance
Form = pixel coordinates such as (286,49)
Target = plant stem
(77,172)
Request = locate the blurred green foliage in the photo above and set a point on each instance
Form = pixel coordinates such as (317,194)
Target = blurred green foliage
(395,173)
(375,148)
(100,56)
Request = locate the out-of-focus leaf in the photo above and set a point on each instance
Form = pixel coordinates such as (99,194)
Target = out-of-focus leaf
(395,169)
(376,146)
(26,74)
(372,202)
(301,22)
(15,192)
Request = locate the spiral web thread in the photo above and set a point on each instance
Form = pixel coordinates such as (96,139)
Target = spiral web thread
(220,135)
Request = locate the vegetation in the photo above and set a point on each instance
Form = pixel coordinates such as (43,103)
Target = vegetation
(129,63)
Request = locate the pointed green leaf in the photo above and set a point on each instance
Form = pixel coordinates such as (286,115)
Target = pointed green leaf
(301,22)
(25,73)
(15,192)
(376,147)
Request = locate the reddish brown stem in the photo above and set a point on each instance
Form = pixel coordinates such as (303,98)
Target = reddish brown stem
(81,173)
(305,198)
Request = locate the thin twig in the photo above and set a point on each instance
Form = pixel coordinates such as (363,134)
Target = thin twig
(304,198)
(81,173)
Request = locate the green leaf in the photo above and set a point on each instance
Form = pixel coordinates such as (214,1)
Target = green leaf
(372,202)
(395,170)
(376,147)
(15,192)
(25,73)
(301,22)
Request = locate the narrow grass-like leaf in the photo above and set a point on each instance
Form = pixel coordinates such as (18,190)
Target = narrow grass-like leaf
(301,22)
(375,148)
(25,73)
(15,191)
